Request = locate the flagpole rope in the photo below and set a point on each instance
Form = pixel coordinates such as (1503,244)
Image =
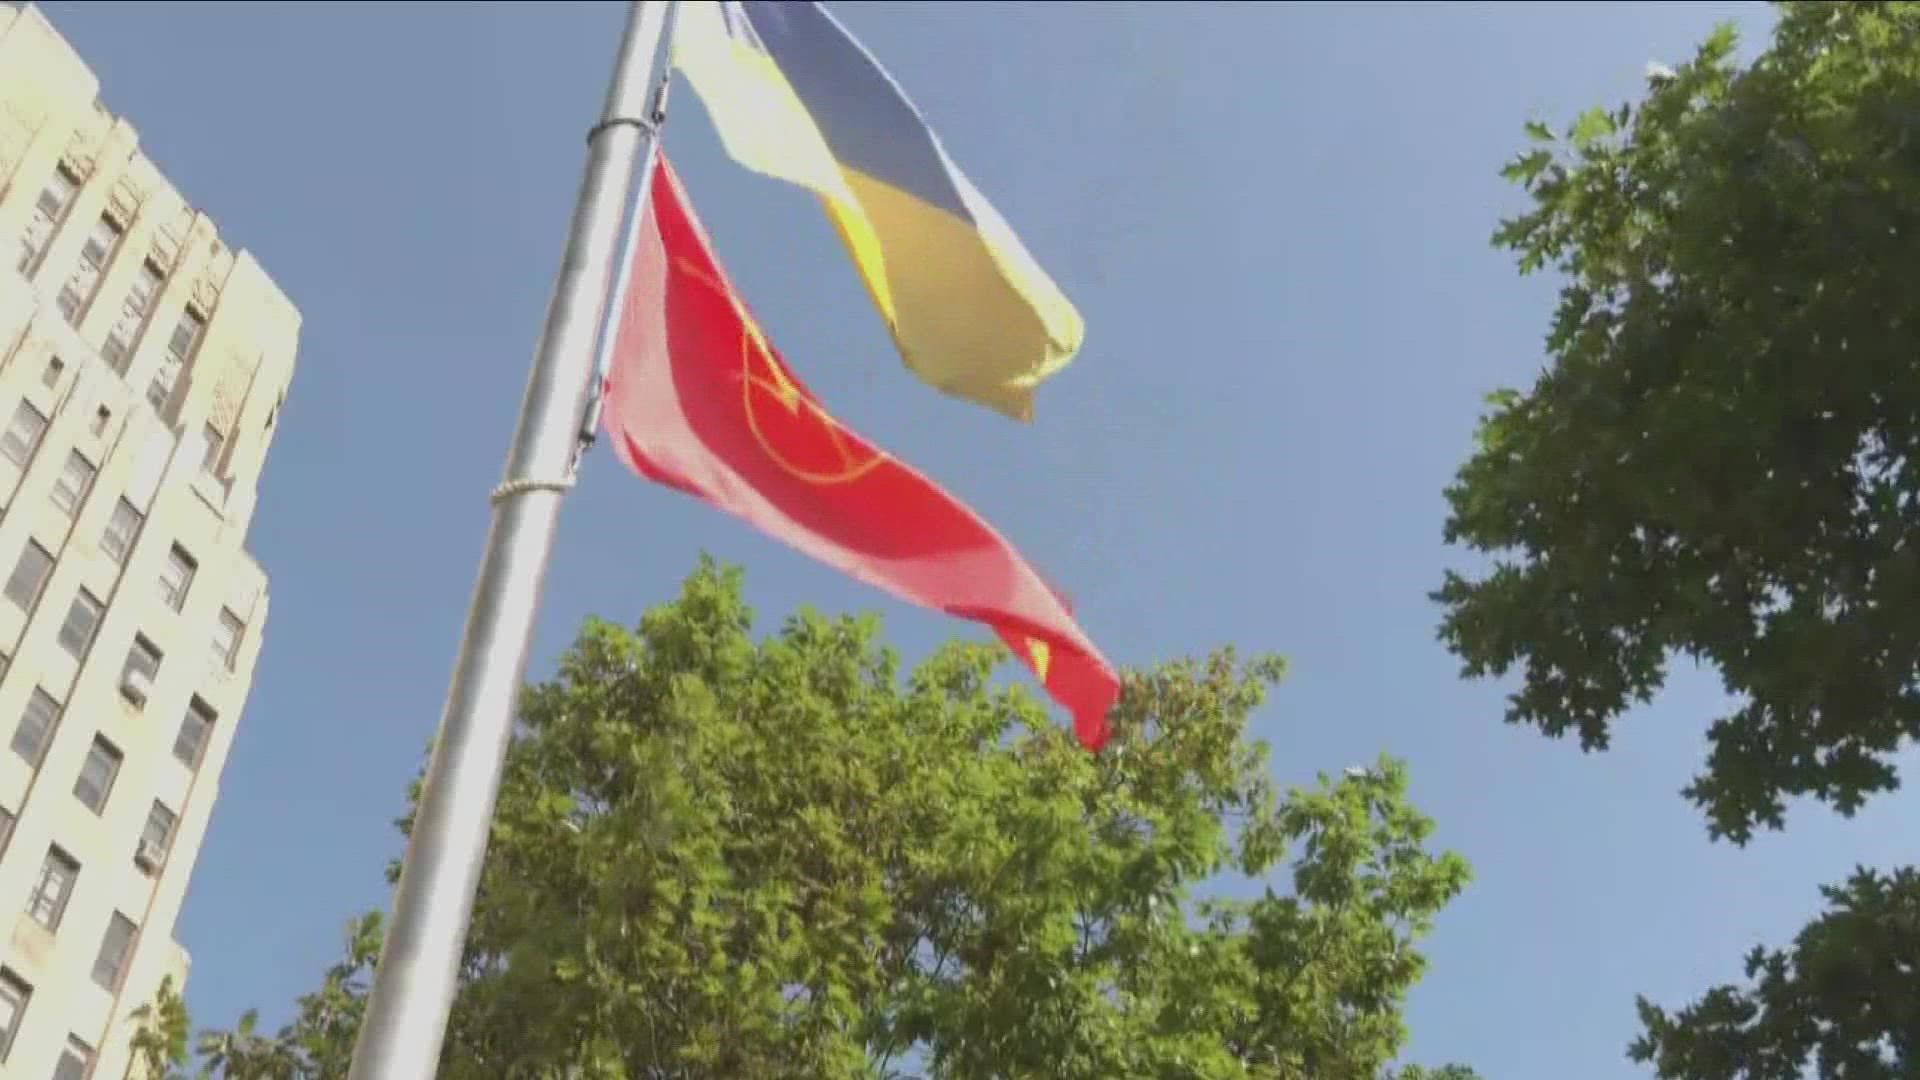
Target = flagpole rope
(650,126)
(510,488)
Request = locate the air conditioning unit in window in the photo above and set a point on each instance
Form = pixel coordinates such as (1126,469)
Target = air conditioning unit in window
(148,856)
(135,685)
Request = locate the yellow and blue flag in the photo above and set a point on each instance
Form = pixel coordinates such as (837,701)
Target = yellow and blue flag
(796,97)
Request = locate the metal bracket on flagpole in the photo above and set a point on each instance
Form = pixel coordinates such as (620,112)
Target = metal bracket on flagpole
(647,126)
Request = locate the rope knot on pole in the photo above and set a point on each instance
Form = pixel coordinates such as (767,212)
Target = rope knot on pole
(510,488)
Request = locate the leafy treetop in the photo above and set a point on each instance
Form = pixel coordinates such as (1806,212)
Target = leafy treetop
(716,857)
(1720,460)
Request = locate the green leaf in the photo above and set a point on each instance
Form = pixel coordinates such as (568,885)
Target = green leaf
(1594,124)
(1526,167)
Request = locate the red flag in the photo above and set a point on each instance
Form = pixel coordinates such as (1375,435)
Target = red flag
(697,400)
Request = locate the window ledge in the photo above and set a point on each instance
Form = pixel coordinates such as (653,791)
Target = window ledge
(212,492)
(33,944)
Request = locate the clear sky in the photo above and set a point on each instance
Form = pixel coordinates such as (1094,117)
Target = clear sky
(1274,219)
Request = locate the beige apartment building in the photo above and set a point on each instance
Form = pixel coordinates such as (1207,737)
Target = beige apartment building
(142,365)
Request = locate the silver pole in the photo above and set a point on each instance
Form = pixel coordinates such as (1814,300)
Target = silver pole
(414,985)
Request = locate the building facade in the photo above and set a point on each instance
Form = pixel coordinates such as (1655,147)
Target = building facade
(142,367)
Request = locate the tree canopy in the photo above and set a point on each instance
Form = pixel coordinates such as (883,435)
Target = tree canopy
(721,857)
(1719,463)
(1845,999)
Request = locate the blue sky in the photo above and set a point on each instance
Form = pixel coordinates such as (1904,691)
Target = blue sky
(1274,219)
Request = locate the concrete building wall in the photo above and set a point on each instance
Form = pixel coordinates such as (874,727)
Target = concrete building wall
(137,347)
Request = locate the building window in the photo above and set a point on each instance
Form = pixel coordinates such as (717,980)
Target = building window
(35,731)
(53,888)
(101,416)
(83,619)
(186,336)
(180,349)
(143,667)
(160,390)
(117,541)
(74,1060)
(14,995)
(226,638)
(118,351)
(48,211)
(50,378)
(156,837)
(22,436)
(216,442)
(29,576)
(6,828)
(111,962)
(97,775)
(176,577)
(191,744)
(74,483)
(101,243)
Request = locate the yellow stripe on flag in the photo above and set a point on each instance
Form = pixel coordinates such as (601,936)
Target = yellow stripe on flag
(795,97)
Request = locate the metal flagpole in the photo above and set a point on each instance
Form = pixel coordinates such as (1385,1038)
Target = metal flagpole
(414,985)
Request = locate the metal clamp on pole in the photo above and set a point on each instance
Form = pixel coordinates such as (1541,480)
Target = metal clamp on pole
(645,124)
(415,984)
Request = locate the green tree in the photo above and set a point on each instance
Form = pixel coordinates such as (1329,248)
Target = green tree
(160,1039)
(716,857)
(1720,460)
(318,1044)
(1719,463)
(1847,997)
